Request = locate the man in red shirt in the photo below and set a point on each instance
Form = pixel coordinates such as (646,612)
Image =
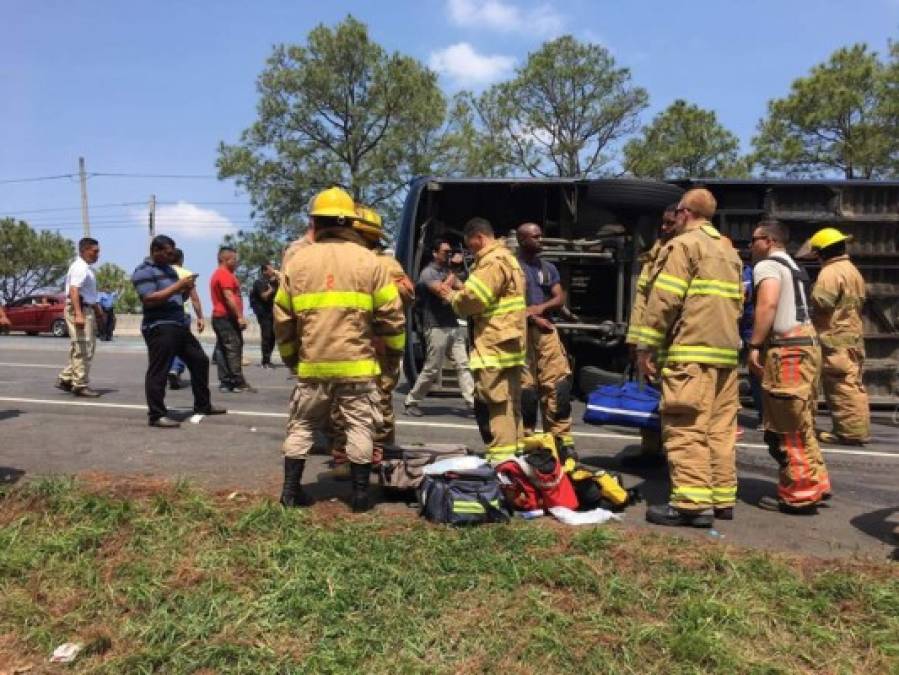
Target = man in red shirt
(228,321)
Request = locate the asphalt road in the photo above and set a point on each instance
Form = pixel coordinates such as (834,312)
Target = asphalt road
(45,431)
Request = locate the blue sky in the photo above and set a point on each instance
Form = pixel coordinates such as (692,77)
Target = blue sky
(152,87)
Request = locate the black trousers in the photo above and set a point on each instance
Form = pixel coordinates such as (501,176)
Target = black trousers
(164,343)
(228,351)
(267,335)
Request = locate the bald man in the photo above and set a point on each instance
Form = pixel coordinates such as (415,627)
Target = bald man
(547,376)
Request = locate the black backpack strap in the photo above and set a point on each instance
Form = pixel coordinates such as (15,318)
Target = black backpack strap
(801,283)
(494,515)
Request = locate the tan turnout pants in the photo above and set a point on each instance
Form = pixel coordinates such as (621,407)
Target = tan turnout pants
(699,425)
(789,398)
(547,378)
(83,345)
(383,434)
(497,394)
(311,405)
(841,377)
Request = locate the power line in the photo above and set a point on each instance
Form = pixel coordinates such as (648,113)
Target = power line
(37,178)
(153,175)
(78,208)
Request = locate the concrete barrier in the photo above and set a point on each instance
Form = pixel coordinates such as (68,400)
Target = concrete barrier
(128,325)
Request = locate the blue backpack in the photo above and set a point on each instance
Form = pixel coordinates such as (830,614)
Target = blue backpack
(625,405)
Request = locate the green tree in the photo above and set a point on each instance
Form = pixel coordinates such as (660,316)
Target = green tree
(565,109)
(30,260)
(112,278)
(832,121)
(473,142)
(684,141)
(337,110)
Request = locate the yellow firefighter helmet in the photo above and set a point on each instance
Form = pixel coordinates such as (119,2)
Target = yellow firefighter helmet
(334,202)
(827,237)
(368,223)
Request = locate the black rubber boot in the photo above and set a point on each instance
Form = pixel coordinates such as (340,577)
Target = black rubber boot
(360,475)
(666,514)
(292,494)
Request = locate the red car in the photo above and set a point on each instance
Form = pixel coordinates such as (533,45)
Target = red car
(39,313)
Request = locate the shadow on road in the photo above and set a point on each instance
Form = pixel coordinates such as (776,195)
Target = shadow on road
(881,525)
(9,414)
(10,476)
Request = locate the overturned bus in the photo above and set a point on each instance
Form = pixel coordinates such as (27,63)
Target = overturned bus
(595,230)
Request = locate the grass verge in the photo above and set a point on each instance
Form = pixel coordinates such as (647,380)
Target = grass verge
(168,578)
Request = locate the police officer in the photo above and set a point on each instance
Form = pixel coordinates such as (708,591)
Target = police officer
(334,300)
(784,351)
(492,300)
(693,307)
(547,376)
(650,439)
(837,300)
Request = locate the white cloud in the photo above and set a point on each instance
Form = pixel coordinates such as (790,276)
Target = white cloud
(468,68)
(184,219)
(541,20)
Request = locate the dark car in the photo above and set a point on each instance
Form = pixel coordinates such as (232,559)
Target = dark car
(39,313)
(594,232)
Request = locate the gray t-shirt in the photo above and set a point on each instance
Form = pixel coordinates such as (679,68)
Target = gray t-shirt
(434,311)
(785,317)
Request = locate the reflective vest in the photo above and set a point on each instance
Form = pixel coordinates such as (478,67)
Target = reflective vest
(335,297)
(695,300)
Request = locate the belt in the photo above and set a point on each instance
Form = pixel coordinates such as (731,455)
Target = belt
(800,341)
(83,303)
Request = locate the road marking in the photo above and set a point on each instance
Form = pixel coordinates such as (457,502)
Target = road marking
(410,423)
(34,365)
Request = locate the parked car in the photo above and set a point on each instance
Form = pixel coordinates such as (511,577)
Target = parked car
(38,313)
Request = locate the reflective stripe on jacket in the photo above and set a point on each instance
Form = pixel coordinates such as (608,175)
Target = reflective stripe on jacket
(695,301)
(635,326)
(334,299)
(837,300)
(492,300)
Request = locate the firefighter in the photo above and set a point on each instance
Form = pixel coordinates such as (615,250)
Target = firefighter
(369,224)
(335,299)
(836,303)
(547,375)
(492,300)
(650,439)
(784,351)
(692,309)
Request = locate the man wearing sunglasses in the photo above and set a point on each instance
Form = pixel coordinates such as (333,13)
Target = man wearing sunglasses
(784,351)
(692,311)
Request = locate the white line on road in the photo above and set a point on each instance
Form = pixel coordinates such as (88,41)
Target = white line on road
(54,366)
(410,423)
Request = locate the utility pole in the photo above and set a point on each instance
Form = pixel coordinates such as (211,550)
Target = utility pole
(152,219)
(85,221)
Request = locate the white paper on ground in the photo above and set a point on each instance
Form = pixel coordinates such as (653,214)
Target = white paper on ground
(466,463)
(594,517)
(196,419)
(66,653)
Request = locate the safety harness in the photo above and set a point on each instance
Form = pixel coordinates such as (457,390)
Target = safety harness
(801,283)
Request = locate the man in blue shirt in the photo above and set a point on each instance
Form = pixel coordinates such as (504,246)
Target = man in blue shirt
(167,334)
(547,376)
(106,300)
